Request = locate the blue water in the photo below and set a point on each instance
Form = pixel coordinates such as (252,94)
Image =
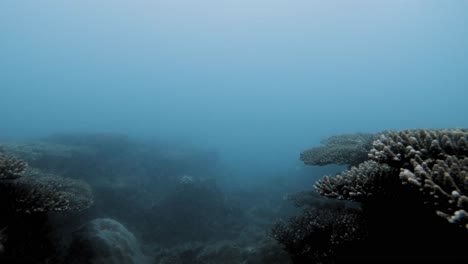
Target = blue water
(259,81)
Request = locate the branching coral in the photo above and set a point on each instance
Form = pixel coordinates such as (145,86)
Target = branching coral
(348,149)
(399,148)
(367,181)
(10,167)
(432,161)
(444,186)
(435,162)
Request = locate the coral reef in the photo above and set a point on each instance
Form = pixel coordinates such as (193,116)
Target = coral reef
(412,183)
(346,149)
(432,161)
(167,194)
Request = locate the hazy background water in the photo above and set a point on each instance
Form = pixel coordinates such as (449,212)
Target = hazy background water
(258,81)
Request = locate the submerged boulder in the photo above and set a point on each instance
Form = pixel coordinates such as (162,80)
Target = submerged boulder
(104,241)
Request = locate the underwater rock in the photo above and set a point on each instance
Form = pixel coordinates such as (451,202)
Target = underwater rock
(104,241)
